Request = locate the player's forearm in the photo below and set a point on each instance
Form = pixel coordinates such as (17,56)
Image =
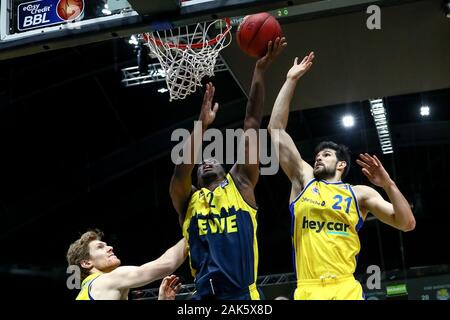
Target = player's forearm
(191,150)
(171,260)
(280,113)
(404,218)
(255,103)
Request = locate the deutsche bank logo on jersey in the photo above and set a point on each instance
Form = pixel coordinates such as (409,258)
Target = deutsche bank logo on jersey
(41,13)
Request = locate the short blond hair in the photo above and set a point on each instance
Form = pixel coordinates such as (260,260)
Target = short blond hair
(79,250)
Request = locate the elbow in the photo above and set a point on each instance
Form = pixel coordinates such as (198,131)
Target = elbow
(272,127)
(252,123)
(409,226)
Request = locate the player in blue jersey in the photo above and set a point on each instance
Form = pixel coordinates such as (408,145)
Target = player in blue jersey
(219,215)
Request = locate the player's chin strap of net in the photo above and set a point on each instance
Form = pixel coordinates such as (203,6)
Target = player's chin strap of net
(187,54)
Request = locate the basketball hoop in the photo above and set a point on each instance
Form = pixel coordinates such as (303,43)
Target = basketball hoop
(187,54)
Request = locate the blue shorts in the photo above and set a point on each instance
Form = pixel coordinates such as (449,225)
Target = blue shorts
(247,294)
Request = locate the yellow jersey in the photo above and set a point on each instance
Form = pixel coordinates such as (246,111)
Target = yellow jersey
(86,287)
(325,224)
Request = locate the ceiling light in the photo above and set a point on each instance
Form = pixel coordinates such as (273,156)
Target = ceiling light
(446,8)
(381,124)
(425,111)
(348,121)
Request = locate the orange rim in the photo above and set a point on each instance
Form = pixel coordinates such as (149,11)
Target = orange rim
(194,45)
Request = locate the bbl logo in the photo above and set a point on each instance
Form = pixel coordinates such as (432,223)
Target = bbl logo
(41,13)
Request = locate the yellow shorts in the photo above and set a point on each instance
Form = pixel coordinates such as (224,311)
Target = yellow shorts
(338,288)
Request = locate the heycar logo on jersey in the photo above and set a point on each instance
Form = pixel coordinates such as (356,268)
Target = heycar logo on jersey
(330,227)
(41,13)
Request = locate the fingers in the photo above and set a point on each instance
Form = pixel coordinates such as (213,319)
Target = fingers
(282,43)
(173,281)
(270,47)
(207,93)
(212,91)
(367,173)
(276,44)
(305,59)
(362,164)
(369,159)
(164,282)
(377,160)
(177,288)
(275,47)
(216,107)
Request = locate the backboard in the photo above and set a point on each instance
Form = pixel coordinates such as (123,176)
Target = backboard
(28,27)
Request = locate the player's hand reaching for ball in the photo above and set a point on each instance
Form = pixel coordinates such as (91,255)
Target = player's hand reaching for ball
(274,48)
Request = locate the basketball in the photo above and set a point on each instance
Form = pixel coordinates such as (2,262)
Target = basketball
(255,31)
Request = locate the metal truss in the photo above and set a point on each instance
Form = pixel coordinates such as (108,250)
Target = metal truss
(189,289)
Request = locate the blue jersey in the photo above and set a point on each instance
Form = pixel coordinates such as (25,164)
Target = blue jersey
(220,229)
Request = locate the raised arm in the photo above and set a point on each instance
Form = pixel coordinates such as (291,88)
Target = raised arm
(134,277)
(398,213)
(248,172)
(181,182)
(298,171)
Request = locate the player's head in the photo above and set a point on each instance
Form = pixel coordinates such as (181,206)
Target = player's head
(209,171)
(91,254)
(331,160)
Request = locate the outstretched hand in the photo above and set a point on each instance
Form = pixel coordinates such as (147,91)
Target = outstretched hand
(274,48)
(208,111)
(169,288)
(299,69)
(374,170)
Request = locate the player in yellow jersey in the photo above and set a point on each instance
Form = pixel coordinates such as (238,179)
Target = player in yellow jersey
(219,215)
(104,279)
(326,212)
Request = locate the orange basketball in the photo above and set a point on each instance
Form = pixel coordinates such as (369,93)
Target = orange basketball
(69,9)
(255,31)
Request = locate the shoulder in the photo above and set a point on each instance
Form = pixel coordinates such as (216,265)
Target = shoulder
(239,181)
(192,196)
(99,283)
(106,286)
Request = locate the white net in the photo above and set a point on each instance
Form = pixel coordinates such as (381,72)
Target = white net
(187,54)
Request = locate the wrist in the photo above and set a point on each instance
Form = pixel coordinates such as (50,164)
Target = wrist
(293,78)
(201,124)
(260,67)
(389,184)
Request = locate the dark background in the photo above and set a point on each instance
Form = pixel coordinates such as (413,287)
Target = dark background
(79,150)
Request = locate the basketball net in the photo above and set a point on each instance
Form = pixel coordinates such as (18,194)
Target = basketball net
(187,54)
